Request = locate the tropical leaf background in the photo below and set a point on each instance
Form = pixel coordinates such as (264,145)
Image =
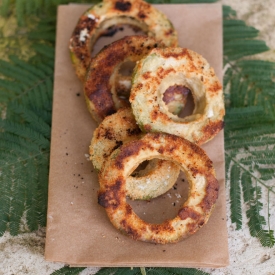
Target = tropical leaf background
(27,36)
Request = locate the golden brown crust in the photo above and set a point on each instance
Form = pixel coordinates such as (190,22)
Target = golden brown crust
(96,21)
(100,86)
(166,67)
(193,214)
(114,131)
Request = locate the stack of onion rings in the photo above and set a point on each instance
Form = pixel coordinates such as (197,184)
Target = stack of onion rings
(100,89)
(161,81)
(96,21)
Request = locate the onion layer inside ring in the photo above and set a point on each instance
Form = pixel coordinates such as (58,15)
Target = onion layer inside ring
(192,160)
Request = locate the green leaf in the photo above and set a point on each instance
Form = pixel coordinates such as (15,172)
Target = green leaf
(266,237)
(228,12)
(118,271)
(66,270)
(235,197)
(174,271)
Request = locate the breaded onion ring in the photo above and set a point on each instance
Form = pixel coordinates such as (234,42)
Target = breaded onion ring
(163,68)
(193,161)
(157,177)
(100,86)
(96,21)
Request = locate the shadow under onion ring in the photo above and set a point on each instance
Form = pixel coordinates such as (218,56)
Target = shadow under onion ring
(118,129)
(163,68)
(95,22)
(192,160)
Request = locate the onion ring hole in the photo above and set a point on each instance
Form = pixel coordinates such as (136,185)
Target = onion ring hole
(179,100)
(112,34)
(164,207)
(123,78)
(113,132)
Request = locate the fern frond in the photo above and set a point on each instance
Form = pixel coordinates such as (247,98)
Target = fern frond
(266,237)
(42,180)
(24,160)
(18,152)
(258,90)
(265,157)
(239,39)
(252,195)
(119,271)
(228,12)
(26,132)
(15,72)
(237,29)
(66,270)
(5,7)
(238,48)
(5,200)
(24,153)
(259,69)
(266,173)
(18,182)
(33,73)
(35,121)
(235,196)
(174,271)
(242,130)
(233,115)
(248,142)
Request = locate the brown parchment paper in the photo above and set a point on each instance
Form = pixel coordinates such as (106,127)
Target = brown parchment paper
(78,230)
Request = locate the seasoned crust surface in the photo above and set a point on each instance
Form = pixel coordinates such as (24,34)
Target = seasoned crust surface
(96,21)
(114,131)
(165,67)
(100,86)
(193,161)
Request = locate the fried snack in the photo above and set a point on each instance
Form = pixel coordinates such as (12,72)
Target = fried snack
(193,161)
(100,87)
(96,22)
(163,68)
(157,177)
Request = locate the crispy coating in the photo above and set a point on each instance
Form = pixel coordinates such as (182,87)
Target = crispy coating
(100,87)
(195,211)
(166,67)
(115,130)
(96,21)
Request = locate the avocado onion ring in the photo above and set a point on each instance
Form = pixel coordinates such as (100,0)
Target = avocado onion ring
(192,160)
(163,68)
(100,88)
(95,22)
(157,177)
